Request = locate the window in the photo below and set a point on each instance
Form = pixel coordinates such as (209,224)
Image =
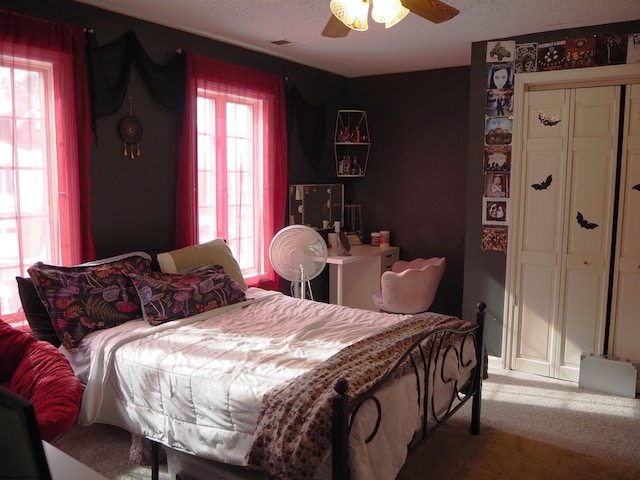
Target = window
(232,166)
(230,175)
(29,227)
(44,132)
(45,139)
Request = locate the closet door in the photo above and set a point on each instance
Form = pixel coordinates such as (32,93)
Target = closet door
(590,199)
(541,222)
(624,340)
(568,174)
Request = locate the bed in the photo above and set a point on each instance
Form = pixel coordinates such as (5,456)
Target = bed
(264,385)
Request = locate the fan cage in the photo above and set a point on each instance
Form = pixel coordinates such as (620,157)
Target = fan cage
(299,254)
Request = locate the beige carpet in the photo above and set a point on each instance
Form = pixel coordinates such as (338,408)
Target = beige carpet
(491,455)
(532,428)
(498,455)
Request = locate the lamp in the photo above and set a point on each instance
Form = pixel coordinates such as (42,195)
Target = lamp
(388,12)
(403,12)
(354,13)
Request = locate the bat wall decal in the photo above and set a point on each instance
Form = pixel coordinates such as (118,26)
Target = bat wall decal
(636,187)
(547,121)
(544,184)
(584,223)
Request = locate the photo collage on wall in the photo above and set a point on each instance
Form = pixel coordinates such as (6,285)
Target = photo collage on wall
(505,59)
(498,133)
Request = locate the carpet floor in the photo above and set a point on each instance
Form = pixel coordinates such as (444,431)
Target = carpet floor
(499,455)
(532,428)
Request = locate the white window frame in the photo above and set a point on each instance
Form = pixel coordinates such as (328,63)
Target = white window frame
(245,239)
(19,170)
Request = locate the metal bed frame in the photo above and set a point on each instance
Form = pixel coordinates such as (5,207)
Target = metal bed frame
(425,356)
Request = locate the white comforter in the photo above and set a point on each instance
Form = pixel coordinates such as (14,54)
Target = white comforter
(196,384)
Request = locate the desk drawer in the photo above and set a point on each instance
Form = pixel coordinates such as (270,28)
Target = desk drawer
(388,260)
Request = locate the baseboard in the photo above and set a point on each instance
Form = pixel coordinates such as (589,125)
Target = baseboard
(495,362)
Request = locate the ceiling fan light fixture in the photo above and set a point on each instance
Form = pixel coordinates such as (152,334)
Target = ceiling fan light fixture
(386,11)
(401,14)
(353,13)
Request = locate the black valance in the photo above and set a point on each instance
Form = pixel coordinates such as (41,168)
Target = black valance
(109,68)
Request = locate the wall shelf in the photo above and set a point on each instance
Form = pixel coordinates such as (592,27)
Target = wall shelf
(351,143)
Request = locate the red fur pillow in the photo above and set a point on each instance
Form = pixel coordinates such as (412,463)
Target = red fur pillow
(13,344)
(39,372)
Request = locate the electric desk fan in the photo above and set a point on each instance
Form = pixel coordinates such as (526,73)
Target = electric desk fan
(298,254)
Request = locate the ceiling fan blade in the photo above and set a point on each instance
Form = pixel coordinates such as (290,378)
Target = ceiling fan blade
(433,10)
(335,28)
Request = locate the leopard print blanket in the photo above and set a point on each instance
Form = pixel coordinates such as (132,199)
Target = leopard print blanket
(294,424)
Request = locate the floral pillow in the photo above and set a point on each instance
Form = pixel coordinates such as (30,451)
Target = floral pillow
(170,296)
(85,298)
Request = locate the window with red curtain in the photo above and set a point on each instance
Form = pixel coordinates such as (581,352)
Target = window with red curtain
(232,173)
(44,151)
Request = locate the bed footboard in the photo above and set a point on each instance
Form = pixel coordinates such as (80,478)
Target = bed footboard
(426,358)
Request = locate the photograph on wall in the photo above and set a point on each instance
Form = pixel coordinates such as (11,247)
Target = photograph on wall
(502,51)
(494,239)
(633,48)
(496,184)
(500,75)
(498,130)
(499,102)
(551,56)
(494,211)
(580,52)
(526,58)
(497,158)
(611,49)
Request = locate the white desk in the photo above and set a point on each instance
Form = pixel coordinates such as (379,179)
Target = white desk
(355,278)
(65,467)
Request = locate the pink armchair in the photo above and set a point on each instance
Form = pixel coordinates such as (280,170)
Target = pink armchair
(409,287)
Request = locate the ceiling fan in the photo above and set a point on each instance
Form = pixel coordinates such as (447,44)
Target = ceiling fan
(342,19)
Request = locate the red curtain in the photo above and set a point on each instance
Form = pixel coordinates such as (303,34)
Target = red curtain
(239,81)
(38,39)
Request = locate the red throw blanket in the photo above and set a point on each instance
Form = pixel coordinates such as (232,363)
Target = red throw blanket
(294,424)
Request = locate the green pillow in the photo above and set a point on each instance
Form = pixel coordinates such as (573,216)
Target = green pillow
(215,252)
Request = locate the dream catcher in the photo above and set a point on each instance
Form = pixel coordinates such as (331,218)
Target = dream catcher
(130,130)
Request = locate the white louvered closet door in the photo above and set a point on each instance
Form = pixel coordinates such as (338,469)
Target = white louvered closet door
(624,337)
(565,227)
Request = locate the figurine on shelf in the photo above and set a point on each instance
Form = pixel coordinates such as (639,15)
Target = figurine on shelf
(348,166)
(356,169)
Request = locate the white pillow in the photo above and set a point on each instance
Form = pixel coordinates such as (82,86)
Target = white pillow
(116,258)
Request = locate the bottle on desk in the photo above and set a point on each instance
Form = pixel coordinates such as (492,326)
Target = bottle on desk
(375,239)
(332,242)
(385,238)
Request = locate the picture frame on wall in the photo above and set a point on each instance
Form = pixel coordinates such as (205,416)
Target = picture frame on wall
(496,185)
(494,238)
(497,158)
(494,211)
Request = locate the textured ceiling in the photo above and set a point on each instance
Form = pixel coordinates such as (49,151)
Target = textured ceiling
(414,44)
